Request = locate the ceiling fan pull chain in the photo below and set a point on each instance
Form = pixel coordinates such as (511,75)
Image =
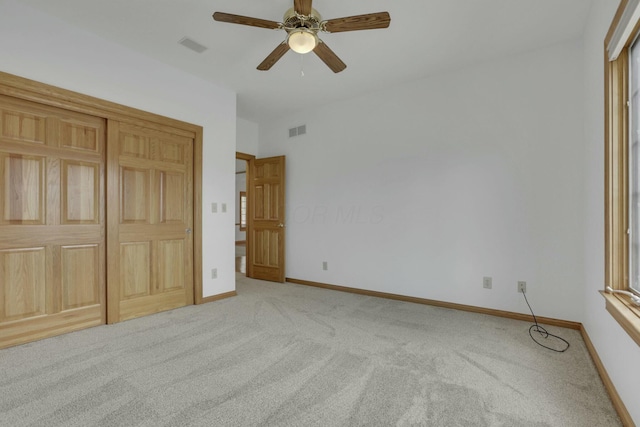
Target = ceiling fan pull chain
(301,66)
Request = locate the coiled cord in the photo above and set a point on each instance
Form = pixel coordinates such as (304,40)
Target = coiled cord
(544,334)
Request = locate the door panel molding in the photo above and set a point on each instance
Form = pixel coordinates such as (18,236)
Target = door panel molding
(20,267)
(22,196)
(81,265)
(80,190)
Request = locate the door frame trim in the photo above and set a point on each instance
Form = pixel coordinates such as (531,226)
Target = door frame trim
(248,158)
(42,93)
(244,156)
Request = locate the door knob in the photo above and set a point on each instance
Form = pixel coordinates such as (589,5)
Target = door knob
(188,231)
(281,225)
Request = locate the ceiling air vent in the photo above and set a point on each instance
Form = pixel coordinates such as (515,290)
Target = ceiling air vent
(192,44)
(300,130)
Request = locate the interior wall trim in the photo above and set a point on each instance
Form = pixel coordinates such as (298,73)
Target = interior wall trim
(31,90)
(244,156)
(621,409)
(443,304)
(218,297)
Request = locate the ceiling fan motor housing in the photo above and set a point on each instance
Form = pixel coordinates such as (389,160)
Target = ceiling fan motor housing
(293,20)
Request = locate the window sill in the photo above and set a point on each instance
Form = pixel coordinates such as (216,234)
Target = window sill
(627,315)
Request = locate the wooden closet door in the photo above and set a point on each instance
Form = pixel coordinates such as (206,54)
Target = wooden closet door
(150,248)
(52,221)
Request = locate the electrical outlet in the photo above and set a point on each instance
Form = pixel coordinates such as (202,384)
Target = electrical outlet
(224,208)
(325,265)
(214,273)
(486,282)
(214,207)
(522,287)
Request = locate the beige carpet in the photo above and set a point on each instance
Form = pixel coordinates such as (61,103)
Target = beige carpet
(289,355)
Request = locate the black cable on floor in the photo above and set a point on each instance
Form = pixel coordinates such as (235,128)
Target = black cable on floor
(542,331)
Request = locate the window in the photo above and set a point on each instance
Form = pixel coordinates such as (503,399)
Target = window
(634,164)
(622,163)
(243,211)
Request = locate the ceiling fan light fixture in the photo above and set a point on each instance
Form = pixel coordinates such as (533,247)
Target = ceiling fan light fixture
(302,40)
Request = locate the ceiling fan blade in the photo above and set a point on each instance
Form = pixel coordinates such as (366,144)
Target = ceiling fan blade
(329,58)
(369,21)
(303,7)
(273,57)
(245,20)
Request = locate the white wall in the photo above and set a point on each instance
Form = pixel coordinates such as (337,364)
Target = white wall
(247,136)
(425,188)
(45,49)
(617,351)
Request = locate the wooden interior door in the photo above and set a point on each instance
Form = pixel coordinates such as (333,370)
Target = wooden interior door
(52,221)
(150,243)
(266,232)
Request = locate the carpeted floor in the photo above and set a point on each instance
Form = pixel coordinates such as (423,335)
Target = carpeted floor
(289,355)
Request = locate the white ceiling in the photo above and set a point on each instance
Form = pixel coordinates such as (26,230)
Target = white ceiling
(425,37)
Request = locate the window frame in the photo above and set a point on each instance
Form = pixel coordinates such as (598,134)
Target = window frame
(617,181)
(633,165)
(242,224)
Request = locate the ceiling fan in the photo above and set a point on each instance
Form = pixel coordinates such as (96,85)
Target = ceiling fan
(302,24)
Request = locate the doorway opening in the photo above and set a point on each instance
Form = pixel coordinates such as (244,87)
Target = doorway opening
(242,210)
